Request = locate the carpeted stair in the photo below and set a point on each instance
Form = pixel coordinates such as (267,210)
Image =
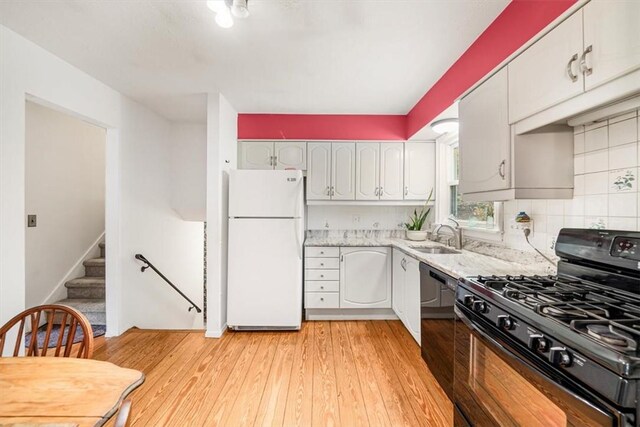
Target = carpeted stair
(87,294)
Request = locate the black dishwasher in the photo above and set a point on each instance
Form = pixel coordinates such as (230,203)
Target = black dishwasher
(437,298)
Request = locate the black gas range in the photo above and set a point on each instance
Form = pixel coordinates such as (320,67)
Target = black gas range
(570,341)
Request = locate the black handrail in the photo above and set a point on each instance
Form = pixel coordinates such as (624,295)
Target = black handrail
(140,257)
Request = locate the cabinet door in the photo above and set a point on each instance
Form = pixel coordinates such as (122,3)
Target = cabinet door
(365,278)
(419,170)
(391,171)
(319,171)
(485,138)
(343,171)
(412,297)
(291,155)
(611,29)
(397,285)
(256,155)
(548,72)
(367,170)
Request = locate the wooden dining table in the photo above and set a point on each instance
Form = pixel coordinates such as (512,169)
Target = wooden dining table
(62,391)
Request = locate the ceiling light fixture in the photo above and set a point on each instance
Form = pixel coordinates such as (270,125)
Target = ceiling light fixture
(224,9)
(445,126)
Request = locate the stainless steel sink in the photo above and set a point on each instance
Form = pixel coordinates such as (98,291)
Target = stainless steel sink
(437,250)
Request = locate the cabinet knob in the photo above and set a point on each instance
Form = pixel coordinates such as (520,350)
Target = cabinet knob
(321,252)
(321,287)
(501,171)
(406,190)
(321,299)
(322,264)
(322,275)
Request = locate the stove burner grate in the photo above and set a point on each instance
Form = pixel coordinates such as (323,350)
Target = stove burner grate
(605,334)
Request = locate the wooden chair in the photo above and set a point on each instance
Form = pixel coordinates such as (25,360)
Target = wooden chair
(68,317)
(122,419)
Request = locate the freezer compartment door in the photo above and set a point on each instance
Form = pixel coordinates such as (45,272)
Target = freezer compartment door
(265,273)
(266,194)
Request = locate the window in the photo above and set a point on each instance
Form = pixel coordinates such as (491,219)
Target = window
(473,215)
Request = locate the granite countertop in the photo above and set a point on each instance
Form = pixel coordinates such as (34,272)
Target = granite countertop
(466,263)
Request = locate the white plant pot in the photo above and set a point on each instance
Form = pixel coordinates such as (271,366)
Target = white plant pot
(417,235)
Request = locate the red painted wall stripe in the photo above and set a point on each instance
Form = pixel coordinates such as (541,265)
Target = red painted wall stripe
(314,126)
(518,23)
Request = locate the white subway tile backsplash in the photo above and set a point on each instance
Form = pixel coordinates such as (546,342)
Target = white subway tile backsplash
(623,204)
(578,164)
(623,156)
(596,161)
(578,185)
(555,207)
(596,183)
(578,143)
(596,125)
(597,139)
(622,223)
(623,132)
(596,205)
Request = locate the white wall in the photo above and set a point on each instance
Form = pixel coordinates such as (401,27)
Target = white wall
(359,217)
(222,136)
(65,188)
(139,217)
(189,170)
(604,152)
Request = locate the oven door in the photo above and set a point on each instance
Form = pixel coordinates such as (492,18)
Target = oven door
(496,386)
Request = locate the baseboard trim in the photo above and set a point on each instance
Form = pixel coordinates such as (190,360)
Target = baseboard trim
(350,314)
(216,333)
(53,296)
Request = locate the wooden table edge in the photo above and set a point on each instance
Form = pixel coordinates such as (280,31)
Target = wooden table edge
(134,385)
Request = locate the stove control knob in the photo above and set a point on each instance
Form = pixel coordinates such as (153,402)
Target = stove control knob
(505,322)
(537,342)
(480,307)
(468,300)
(560,356)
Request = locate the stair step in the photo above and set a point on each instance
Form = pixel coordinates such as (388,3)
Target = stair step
(93,309)
(86,288)
(103,249)
(94,267)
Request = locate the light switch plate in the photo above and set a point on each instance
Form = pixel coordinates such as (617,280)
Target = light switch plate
(32,221)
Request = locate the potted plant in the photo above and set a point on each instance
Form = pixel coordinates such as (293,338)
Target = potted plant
(416,221)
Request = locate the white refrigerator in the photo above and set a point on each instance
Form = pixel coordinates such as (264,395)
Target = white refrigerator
(266,235)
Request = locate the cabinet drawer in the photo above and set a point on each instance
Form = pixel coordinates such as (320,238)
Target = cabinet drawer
(318,252)
(321,300)
(322,286)
(322,263)
(322,275)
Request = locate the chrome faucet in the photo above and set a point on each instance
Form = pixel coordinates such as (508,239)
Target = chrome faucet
(455,231)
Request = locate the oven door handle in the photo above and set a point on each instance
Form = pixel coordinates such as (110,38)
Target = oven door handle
(514,357)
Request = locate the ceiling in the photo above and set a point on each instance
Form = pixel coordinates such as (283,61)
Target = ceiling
(289,56)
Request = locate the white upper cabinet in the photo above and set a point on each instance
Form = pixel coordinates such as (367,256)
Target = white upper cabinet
(365,278)
(367,171)
(319,173)
(485,137)
(256,155)
(391,171)
(419,169)
(272,155)
(343,171)
(290,155)
(548,72)
(611,40)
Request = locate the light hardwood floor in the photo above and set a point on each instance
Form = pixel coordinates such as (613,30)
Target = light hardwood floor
(329,374)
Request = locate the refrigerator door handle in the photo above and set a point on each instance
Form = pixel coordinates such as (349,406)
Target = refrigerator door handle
(298,242)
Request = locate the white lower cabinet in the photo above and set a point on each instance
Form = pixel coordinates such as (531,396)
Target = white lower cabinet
(365,278)
(406,292)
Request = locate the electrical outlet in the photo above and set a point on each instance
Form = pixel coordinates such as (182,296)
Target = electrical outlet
(32,221)
(514,225)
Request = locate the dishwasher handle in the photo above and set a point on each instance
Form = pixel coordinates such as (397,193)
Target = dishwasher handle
(438,277)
